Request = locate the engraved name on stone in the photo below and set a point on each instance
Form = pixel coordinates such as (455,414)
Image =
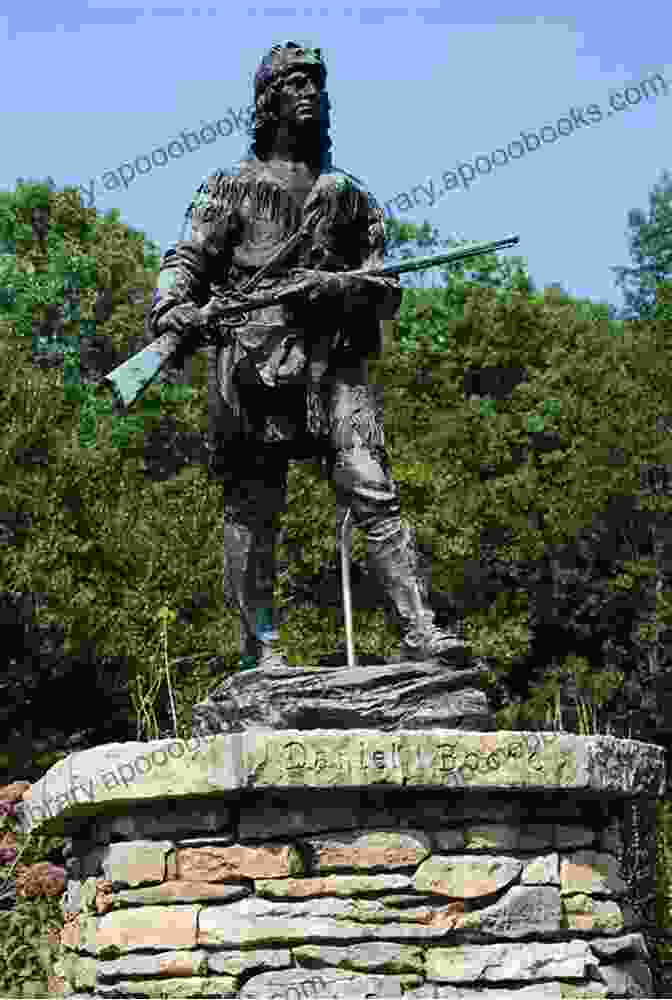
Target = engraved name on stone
(448,758)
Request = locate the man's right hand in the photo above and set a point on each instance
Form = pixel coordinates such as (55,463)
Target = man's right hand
(181,320)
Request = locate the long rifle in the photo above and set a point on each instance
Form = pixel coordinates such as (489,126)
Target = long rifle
(130,379)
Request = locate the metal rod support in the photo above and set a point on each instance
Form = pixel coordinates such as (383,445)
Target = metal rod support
(346,545)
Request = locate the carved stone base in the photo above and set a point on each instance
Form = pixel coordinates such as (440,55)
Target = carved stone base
(388,697)
(431,865)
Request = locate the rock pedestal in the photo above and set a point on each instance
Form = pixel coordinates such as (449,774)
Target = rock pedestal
(385,697)
(442,864)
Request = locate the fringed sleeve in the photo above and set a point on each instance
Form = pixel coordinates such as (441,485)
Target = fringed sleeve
(186,274)
(351,236)
(374,256)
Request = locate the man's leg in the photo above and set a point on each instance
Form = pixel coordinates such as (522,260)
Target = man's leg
(362,480)
(255,500)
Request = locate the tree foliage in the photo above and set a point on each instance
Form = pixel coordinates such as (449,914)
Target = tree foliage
(516,422)
(650,241)
(444,302)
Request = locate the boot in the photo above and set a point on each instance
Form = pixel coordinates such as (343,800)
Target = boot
(395,564)
(249,562)
(266,653)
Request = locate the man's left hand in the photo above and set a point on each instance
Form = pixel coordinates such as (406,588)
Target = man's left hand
(325,286)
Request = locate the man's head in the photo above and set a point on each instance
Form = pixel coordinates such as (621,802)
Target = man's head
(289,90)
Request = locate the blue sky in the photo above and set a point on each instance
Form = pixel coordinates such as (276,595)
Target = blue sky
(414,91)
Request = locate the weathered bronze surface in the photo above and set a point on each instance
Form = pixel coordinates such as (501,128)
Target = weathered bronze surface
(289,379)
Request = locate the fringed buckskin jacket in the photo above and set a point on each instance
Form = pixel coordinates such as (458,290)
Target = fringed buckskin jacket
(240,217)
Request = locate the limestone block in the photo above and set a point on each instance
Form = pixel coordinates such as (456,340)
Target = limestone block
(212,841)
(260,923)
(407,901)
(217,864)
(171,964)
(175,989)
(592,990)
(325,983)
(542,871)
(454,759)
(82,785)
(368,850)
(113,775)
(72,897)
(342,886)
(177,891)
(546,990)
(522,910)
(139,862)
(633,944)
(373,956)
(147,927)
(238,963)
(424,913)
(589,871)
(492,836)
(583,913)
(522,962)
(466,877)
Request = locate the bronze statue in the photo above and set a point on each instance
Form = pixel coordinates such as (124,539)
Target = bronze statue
(290,380)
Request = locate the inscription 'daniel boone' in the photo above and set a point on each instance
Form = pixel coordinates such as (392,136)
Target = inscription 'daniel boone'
(451,759)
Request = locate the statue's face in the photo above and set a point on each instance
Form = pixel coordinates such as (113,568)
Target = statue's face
(299,98)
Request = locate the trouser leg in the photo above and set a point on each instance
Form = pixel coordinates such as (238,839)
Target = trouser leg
(362,480)
(255,501)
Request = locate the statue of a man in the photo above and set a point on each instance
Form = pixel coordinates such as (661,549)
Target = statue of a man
(291,381)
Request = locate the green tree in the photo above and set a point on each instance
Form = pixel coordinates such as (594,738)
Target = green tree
(442,303)
(650,243)
(525,494)
(540,522)
(405,240)
(530,460)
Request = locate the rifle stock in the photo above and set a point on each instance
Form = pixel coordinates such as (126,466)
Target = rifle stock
(130,379)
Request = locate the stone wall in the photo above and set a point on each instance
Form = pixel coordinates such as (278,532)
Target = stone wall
(380,888)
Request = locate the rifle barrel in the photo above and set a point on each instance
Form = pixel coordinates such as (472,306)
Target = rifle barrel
(458,254)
